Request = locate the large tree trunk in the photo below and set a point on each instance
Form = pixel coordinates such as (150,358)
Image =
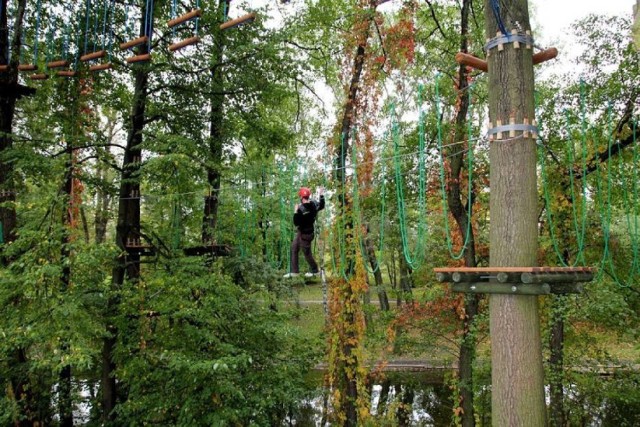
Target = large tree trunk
(406,281)
(516,355)
(127,227)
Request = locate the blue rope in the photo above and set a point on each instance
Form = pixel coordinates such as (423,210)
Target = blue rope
(86,29)
(35,48)
(197,17)
(495,6)
(104,24)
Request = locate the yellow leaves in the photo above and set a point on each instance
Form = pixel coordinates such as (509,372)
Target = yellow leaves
(458,411)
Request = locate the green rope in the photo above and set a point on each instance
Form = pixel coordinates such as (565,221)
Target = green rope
(470,159)
(412,260)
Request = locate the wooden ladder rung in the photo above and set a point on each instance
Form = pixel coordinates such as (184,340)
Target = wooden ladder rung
(195,13)
(93,55)
(139,58)
(58,64)
(4,67)
(27,67)
(100,67)
(134,43)
(184,43)
(41,76)
(249,17)
(66,73)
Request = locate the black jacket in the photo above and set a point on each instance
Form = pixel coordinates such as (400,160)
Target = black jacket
(306,215)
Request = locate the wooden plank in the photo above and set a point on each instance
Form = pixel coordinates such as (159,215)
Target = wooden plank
(41,76)
(101,67)
(4,67)
(249,17)
(93,55)
(139,58)
(556,277)
(184,43)
(58,64)
(66,74)
(195,13)
(544,55)
(134,43)
(27,67)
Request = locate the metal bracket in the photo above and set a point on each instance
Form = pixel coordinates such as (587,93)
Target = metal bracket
(514,37)
(525,128)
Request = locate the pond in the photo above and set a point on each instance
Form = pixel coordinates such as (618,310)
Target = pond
(426,399)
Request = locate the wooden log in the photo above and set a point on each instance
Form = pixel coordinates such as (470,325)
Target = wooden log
(502,288)
(566,288)
(27,67)
(515,269)
(249,17)
(139,58)
(544,55)
(471,277)
(443,277)
(184,43)
(66,74)
(58,64)
(472,61)
(40,76)
(4,67)
(101,67)
(93,55)
(503,277)
(195,13)
(134,43)
(556,277)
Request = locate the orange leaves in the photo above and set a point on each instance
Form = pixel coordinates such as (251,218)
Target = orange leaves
(400,43)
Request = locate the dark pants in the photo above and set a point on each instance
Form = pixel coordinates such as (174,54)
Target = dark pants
(302,241)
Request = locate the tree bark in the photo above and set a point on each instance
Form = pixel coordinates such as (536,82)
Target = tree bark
(377,274)
(462,216)
(216,138)
(516,355)
(127,227)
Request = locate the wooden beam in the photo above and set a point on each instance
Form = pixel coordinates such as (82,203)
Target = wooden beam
(139,58)
(100,67)
(66,73)
(472,61)
(195,13)
(4,67)
(27,67)
(249,17)
(134,43)
(41,76)
(184,43)
(93,55)
(544,55)
(58,64)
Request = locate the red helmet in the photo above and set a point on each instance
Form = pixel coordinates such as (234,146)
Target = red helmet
(304,193)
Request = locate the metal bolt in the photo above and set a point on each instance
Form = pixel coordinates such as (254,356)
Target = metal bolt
(514,288)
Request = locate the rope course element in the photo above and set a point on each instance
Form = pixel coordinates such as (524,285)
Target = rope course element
(33,66)
(144,40)
(193,15)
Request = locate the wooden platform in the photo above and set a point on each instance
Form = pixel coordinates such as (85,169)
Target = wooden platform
(516,280)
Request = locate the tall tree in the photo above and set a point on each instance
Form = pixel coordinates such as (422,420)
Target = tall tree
(516,353)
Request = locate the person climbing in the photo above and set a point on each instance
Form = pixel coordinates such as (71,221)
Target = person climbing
(304,217)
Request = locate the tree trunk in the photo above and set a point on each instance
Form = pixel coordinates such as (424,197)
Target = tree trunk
(377,274)
(516,355)
(216,139)
(556,361)
(24,392)
(350,364)
(127,227)
(462,216)
(406,281)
